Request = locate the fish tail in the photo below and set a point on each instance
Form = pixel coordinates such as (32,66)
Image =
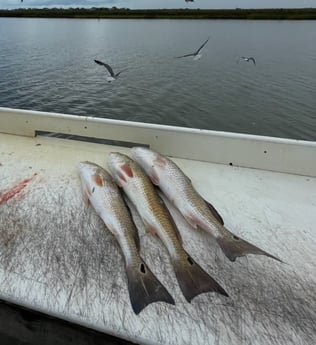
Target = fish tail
(233,247)
(144,288)
(193,280)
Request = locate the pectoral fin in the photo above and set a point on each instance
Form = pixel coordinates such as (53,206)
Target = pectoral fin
(85,194)
(86,199)
(193,221)
(154,177)
(150,228)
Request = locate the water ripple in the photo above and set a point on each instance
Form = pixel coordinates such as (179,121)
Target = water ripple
(48,65)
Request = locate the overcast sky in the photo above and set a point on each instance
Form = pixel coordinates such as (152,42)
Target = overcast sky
(9,4)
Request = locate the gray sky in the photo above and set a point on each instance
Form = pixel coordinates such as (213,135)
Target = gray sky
(9,4)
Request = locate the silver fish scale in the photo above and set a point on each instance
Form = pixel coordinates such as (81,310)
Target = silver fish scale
(186,198)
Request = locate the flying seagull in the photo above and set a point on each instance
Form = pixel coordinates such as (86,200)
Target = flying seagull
(110,70)
(196,55)
(249,59)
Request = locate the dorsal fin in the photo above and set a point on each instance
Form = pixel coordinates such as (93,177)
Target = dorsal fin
(214,212)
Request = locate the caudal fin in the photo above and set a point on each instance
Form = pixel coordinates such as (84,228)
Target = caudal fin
(144,288)
(193,280)
(233,247)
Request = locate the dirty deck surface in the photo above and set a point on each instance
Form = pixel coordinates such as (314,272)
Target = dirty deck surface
(57,257)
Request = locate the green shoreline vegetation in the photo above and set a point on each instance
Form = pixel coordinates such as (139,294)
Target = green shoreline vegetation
(125,13)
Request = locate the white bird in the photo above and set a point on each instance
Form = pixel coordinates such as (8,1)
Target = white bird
(249,59)
(113,76)
(196,55)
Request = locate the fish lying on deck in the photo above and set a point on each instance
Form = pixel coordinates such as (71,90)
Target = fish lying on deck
(178,188)
(193,280)
(104,195)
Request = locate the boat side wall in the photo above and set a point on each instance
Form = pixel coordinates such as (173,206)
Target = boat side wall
(251,151)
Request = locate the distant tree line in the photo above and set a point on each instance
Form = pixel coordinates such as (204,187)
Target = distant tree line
(295,14)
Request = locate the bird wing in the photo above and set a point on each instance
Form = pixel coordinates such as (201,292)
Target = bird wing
(253,60)
(117,74)
(201,47)
(182,56)
(108,67)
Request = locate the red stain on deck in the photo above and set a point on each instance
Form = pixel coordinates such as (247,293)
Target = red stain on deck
(10,193)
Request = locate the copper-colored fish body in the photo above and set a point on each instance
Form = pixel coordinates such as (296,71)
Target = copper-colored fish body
(156,218)
(178,188)
(105,197)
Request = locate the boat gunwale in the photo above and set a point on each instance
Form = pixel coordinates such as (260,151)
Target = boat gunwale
(236,149)
(86,119)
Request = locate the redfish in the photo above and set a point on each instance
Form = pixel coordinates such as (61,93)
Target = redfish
(105,197)
(178,188)
(193,280)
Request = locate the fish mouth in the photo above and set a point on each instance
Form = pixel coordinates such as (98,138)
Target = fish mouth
(87,164)
(116,158)
(137,152)
(84,165)
(142,155)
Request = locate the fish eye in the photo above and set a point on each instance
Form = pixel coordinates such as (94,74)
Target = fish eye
(142,268)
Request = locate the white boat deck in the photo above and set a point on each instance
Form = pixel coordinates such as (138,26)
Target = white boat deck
(56,256)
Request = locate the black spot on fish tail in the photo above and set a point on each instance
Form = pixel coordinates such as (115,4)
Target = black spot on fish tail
(193,280)
(144,288)
(142,268)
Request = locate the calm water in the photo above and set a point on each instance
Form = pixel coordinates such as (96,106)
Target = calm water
(47,64)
